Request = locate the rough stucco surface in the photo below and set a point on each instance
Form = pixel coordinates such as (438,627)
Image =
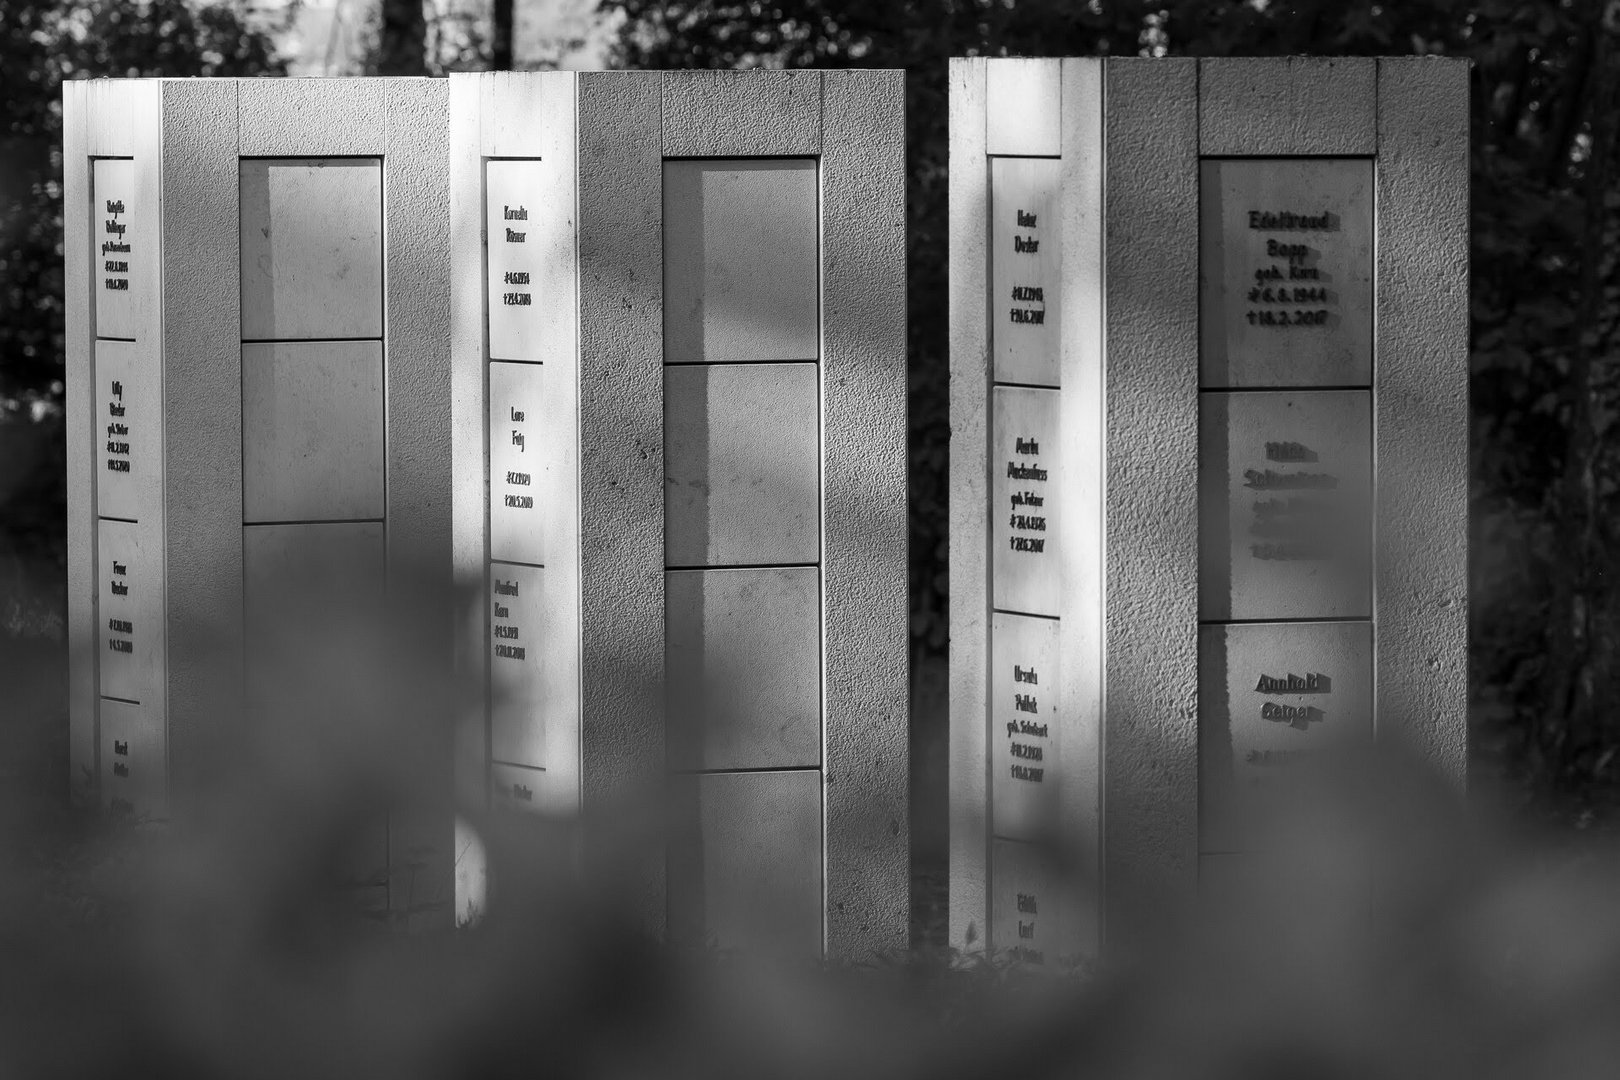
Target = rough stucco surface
(312,117)
(1151,621)
(621,422)
(202,410)
(741,113)
(1293,105)
(1421,407)
(969,563)
(864,523)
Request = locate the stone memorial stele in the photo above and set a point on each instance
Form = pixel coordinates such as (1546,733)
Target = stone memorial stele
(679,387)
(258,403)
(1209,323)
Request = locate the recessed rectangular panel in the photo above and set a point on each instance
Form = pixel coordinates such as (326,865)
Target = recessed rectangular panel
(1024,902)
(527,463)
(129,565)
(312,431)
(743,663)
(1273,697)
(1026,269)
(1024,726)
(742,465)
(1285,254)
(530,791)
(129,449)
(1284,488)
(133,762)
(313,610)
(745,866)
(741,260)
(1023,521)
(311,248)
(515,258)
(534,679)
(118,234)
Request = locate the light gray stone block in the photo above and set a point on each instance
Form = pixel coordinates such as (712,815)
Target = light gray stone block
(740,260)
(312,252)
(312,431)
(744,668)
(1023,108)
(1286,268)
(742,476)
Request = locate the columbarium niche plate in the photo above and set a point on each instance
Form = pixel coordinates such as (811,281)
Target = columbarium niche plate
(741,262)
(118,240)
(516,257)
(312,431)
(534,695)
(1284,491)
(1024,725)
(1023,460)
(311,248)
(746,872)
(1273,699)
(742,465)
(1285,251)
(743,663)
(527,463)
(132,762)
(1024,902)
(131,609)
(529,791)
(128,450)
(1025,269)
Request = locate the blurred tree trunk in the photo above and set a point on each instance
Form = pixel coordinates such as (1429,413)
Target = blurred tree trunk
(500,38)
(402,40)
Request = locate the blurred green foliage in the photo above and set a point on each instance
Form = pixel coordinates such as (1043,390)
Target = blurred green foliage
(1546,298)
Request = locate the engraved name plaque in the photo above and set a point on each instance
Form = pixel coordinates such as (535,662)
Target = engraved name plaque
(117,240)
(534,712)
(526,462)
(1274,697)
(1024,722)
(129,610)
(1025,269)
(1284,493)
(1024,902)
(126,425)
(132,761)
(1285,250)
(515,254)
(1023,460)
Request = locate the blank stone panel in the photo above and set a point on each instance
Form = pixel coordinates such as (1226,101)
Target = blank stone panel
(741,262)
(118,235)
(742,465)
(312,431)
(534,680)
(311,248)
(313,608)
(133,766)
(129,450)
(1026,268)
(1285,528)
(743,662)
(1286,267)
(1271,698)
(1024,902)
(1024,726)
(527,463)
(746,872)
(1023,520)
(129,562)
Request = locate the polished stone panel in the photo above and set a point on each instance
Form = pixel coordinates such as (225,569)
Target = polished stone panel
(133,769)
(516,258)
(1025,725)
(1024,902)
(1026,270)
(527,463)
(129,576)
(129,447)
(533,678)
(118,235)
(1023,519)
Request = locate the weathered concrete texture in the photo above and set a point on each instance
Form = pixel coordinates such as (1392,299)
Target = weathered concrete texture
(202,416)
(1421,407)
(741,113)
(621,424)
(1297,105)
(969,563)
(317,116)
(864,522)
(1023,107)
(1151,215)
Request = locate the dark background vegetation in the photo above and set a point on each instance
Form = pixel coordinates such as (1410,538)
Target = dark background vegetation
(1546,294)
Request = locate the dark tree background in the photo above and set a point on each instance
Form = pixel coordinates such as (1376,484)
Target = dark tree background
(1546,297)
